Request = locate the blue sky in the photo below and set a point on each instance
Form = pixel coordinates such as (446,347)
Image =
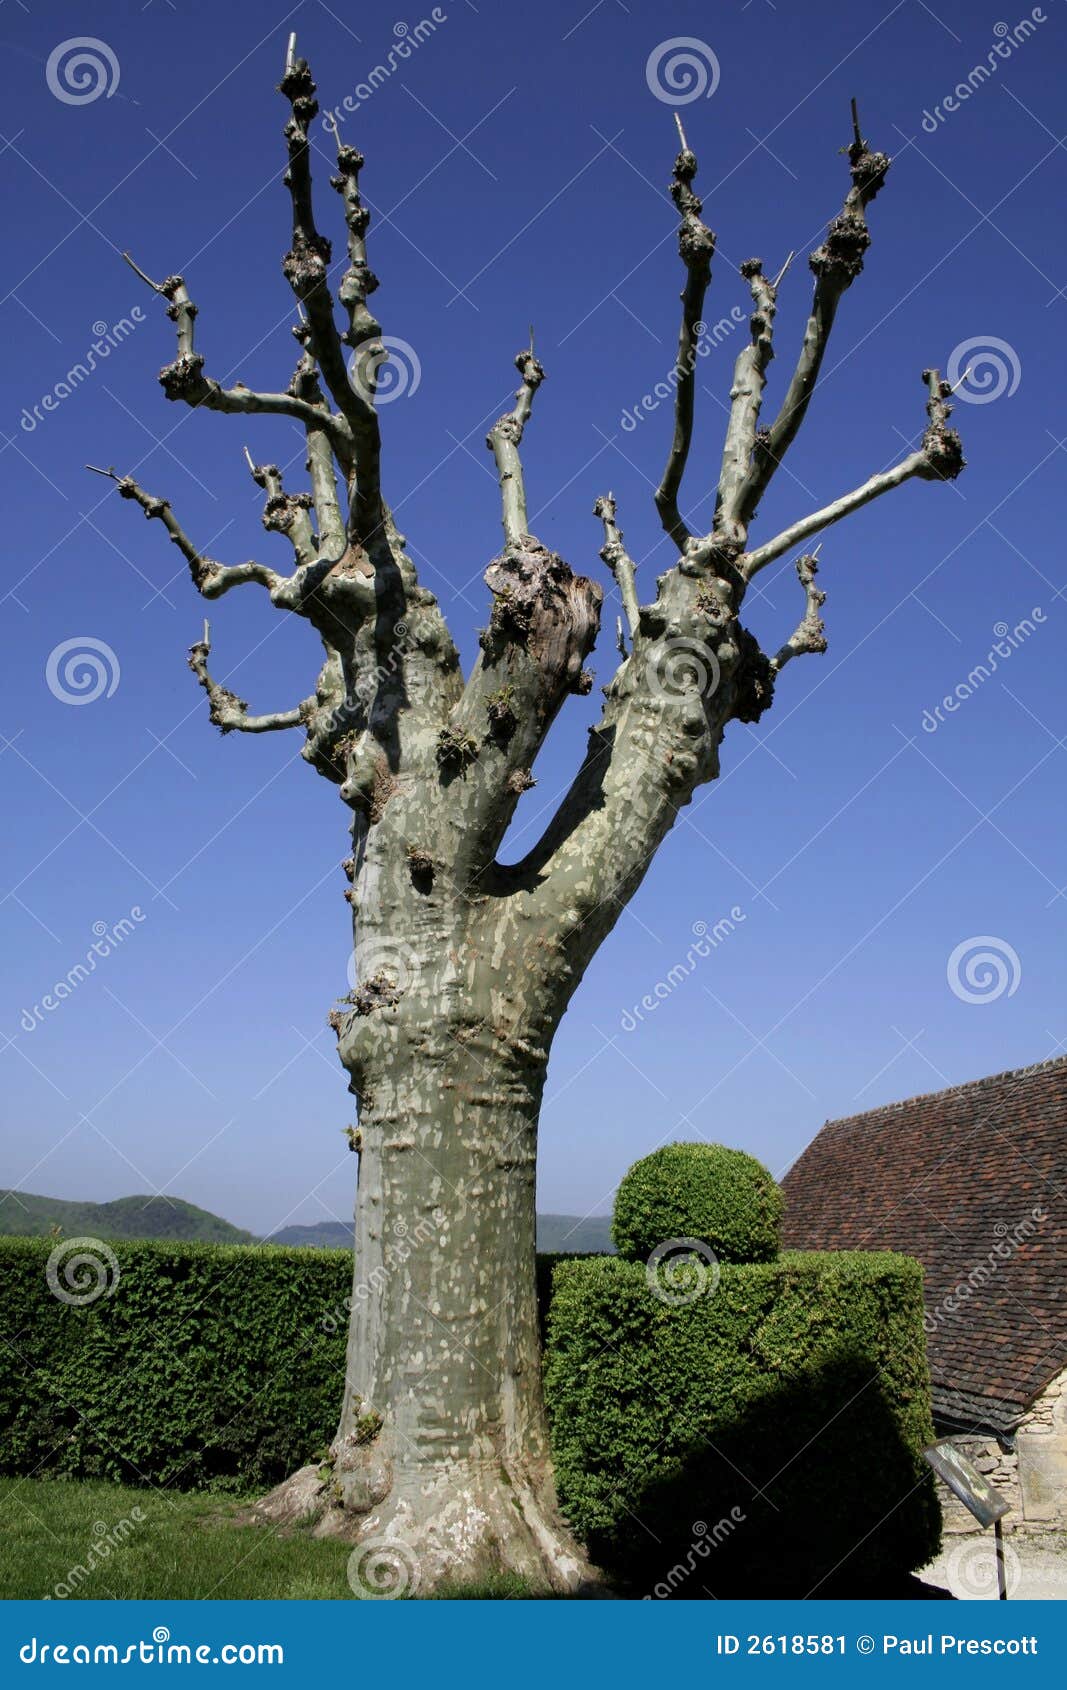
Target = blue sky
(516,163)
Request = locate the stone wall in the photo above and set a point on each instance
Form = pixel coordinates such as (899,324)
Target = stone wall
(1031,1476)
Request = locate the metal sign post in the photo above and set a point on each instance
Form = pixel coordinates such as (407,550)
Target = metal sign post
(976,1493)
(998,1539)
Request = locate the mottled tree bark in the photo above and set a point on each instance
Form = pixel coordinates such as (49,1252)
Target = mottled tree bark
(465,965)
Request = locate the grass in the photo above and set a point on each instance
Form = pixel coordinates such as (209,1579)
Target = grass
(71,1538)
(183,1545)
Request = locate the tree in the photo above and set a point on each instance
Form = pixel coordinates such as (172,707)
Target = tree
(441,1448)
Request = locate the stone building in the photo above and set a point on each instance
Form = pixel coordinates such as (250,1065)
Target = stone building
(973,1182)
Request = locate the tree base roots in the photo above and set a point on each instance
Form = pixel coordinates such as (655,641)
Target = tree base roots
(463,1525)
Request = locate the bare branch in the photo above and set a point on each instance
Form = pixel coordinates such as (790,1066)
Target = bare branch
(810,632)
(306,266)
(752,562)
(618,559)
(746,397)
(228,712)
(304,384)
(939,458)
(209,578)
(285,513)
(941,443)
(696,247)
(363,334)
(184,379)
(836,264)
(504,440)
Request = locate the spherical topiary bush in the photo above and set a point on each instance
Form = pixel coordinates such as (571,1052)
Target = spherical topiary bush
(723,1198)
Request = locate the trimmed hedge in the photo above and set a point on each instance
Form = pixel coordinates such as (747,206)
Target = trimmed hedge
(724,1198)
(211,1365)
(804,1379)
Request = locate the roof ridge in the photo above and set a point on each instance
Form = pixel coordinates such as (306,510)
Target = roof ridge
(948,1091)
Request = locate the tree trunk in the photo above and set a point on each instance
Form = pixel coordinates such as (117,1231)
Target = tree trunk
(440,1467)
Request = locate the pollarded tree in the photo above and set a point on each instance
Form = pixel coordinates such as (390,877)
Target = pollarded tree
(465,965)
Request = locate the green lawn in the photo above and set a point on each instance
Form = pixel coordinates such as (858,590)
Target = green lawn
(182,1545)
(69,1538)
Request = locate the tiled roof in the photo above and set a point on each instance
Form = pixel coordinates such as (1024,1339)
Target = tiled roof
(973,1182)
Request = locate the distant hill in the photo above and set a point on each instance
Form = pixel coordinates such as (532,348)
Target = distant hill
(566,1233)
(324,1235)
(24,1215)
(575,1234)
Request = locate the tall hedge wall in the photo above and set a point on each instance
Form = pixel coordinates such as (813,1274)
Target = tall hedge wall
(210,1365)
(764,1438)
